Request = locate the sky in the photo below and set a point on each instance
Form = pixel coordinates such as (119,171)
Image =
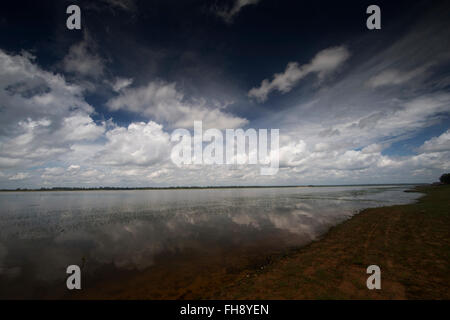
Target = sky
(97,106)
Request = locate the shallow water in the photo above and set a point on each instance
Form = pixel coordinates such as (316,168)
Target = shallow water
(41,233)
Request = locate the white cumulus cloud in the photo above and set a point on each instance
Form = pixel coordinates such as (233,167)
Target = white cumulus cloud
(162,102)
(228,14)
(325,62)
(437,144)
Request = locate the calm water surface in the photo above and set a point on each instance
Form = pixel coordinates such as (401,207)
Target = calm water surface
(41,233)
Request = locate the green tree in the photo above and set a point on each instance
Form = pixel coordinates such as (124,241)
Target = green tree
(445,178)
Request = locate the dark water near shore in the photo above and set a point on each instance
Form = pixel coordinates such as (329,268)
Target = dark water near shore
(41,233)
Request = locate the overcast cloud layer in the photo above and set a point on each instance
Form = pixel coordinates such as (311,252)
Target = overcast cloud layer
(99,108)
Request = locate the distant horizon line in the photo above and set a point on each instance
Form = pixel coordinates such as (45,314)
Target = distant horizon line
(204,187)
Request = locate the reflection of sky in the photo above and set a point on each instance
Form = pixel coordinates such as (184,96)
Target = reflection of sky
(43,233)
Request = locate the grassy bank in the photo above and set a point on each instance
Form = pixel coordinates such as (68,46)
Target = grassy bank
(410,243)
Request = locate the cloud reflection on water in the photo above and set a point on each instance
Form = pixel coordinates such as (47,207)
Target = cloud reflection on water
(43,233)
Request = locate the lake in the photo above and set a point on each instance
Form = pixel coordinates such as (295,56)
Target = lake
(179,232)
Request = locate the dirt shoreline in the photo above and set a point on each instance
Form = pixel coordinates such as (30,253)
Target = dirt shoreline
(410,243)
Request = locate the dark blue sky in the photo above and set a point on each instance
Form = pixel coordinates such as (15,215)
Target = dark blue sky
(352,100)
